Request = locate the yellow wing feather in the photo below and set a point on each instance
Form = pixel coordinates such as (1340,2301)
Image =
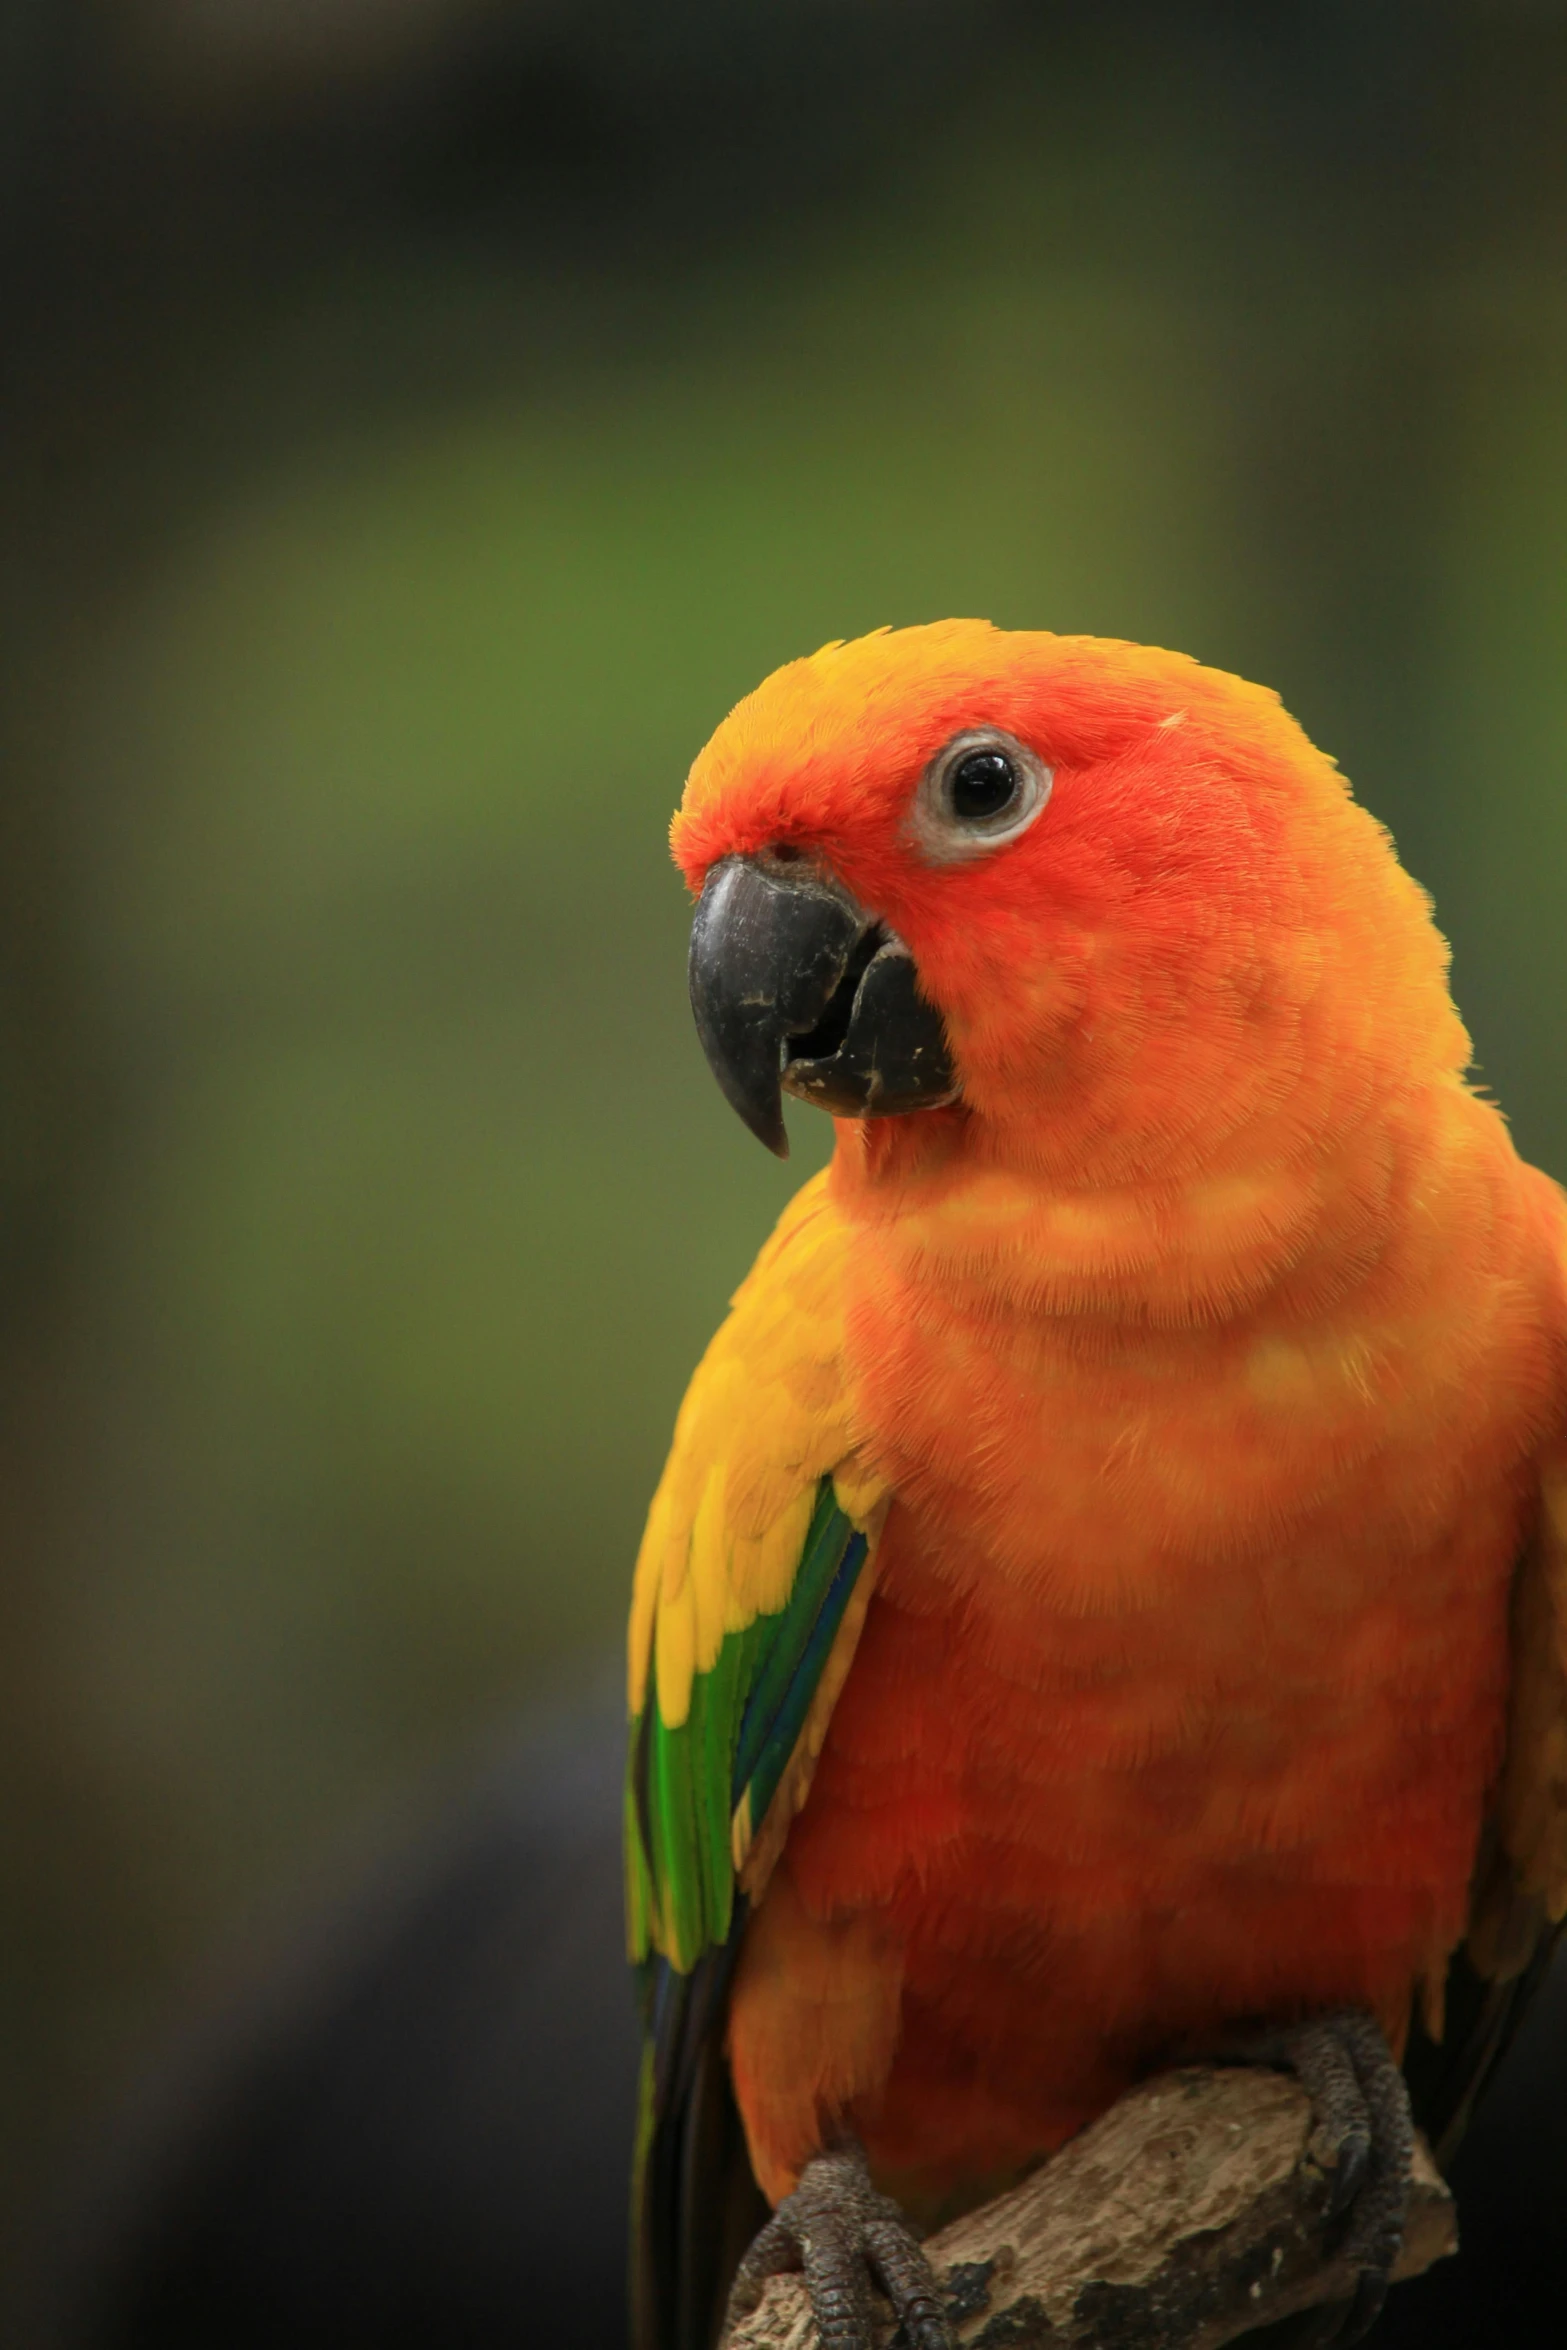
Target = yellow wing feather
(766,1417)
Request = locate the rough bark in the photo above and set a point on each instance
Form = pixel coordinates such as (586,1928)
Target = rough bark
(1192,2212)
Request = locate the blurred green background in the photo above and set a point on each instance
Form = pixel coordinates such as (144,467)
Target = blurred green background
(421,421)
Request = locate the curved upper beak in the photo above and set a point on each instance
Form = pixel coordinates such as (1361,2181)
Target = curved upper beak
(794,984)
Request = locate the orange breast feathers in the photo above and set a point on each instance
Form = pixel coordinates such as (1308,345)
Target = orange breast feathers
(1185,1679)
(1209,1345)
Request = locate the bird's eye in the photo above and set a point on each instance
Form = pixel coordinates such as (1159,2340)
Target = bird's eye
(984,788)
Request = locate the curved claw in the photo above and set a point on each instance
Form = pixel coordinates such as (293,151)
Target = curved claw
(1345,2065)
(845,2237)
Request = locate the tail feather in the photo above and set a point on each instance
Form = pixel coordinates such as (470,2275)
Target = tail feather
(695,2203)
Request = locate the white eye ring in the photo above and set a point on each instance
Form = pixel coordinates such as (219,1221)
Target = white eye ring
(949,834)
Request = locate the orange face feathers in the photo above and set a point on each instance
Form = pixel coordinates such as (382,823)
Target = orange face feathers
(1139,963)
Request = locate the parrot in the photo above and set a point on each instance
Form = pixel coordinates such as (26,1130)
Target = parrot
(1106,1603)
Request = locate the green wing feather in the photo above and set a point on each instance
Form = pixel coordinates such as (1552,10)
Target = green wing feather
(695,1796)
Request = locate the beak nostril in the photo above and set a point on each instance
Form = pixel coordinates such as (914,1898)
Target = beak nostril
(784,852)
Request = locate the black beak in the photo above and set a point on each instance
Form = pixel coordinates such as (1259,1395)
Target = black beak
(794,984)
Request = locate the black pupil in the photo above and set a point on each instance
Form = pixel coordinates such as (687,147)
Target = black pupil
(983,785)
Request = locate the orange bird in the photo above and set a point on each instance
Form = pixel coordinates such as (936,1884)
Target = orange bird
(1107,1599)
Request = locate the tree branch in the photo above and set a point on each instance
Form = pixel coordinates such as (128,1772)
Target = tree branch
(1192,2211)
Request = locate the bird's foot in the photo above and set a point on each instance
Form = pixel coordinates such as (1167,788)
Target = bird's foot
(1365,2131)
(846,2238)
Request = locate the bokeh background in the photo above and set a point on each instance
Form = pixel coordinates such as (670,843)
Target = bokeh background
(421,419)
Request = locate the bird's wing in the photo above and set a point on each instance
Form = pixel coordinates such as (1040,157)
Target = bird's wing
(751,1586)
(1519,1904)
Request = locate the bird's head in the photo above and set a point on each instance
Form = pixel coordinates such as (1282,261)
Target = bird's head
(1085,901)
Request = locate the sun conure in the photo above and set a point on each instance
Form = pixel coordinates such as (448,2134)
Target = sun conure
(1107,1599)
